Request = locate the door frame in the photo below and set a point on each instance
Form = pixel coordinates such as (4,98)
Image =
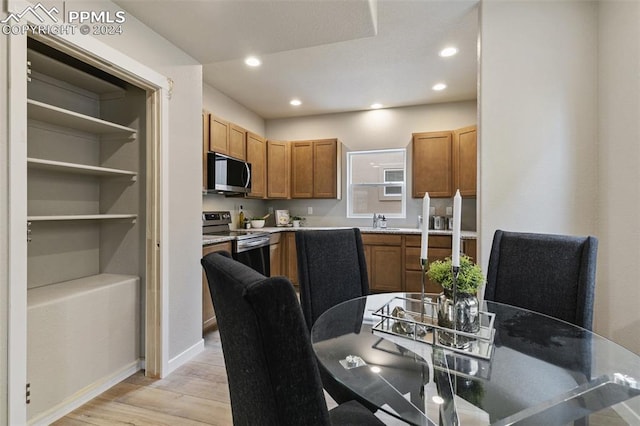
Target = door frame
(158,89)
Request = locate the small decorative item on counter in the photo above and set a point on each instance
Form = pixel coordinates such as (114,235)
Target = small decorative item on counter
(258,222)
(247,224)
(383,222)
(296,220)
(282,217)
(461,314)
(241,218)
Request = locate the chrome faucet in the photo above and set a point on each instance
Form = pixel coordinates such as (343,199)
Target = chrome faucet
(375,220)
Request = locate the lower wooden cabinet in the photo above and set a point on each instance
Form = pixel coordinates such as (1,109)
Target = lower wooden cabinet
(275,254)
(384,261)
(208,314)
(290,265)
(439,249)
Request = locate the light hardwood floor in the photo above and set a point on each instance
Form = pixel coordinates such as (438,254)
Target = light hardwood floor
(194,394)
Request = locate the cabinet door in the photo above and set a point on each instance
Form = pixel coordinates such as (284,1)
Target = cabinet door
(208,314)
(205,147)
(275,259)
(218,135)
(413,278)
(257,156)
(291,257)
(237,142)
(432,164)
(465,166)
(302,169)
(325,173)
(386,268)
(278,160)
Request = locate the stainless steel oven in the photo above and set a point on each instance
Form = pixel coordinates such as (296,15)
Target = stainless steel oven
(250,247)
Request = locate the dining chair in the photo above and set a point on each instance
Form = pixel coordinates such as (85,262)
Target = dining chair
(271,367)
(551,274)
(331,269)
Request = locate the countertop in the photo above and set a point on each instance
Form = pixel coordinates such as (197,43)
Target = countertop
(210,239)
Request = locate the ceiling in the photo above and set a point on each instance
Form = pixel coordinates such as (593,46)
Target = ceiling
(333,55)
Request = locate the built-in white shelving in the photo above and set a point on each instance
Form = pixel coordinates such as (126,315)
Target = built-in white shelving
(81,217)
(61,166)
(62,117)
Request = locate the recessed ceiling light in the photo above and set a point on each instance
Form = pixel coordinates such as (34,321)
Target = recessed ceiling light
(448,51)
(439,86)
(252,61)
(437,399)
(376,369)
(295,102)
(376,106)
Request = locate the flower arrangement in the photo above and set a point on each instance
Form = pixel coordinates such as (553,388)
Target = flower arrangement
(470,276)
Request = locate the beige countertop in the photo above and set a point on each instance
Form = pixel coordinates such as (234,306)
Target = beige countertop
(209,239)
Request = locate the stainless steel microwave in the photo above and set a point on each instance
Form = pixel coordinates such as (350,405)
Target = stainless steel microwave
(227,175)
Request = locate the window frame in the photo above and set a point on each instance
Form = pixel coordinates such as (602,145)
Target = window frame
(402,197)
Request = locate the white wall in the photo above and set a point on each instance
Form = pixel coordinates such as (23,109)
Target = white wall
(374,129)
(556,154)
(4,213)
(618,290)
(185,171)
(219,104)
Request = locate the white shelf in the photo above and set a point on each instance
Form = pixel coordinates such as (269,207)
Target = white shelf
(38,163)
(62,117)
(81,217)
(54,293)
(63,72)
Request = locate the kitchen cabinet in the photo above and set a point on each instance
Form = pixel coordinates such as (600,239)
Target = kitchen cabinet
(384,261)
(278,169)
(290,268)
(275,254)
(237,142)
(257,156)
(218,135)
(323,178)
(465,163)
(432,164)
(206,116)
(208,314)
(439,249)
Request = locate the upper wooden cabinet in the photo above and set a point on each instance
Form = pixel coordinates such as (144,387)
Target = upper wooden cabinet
(432,164)
(445,161)
(205,147)
(257,157)
(278,168)
(465,160)
(237,142)
(218,135)
(316,169)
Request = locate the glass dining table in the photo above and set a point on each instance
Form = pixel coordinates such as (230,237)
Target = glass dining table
(535,370)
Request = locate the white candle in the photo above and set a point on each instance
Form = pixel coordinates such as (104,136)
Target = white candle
(424,242)
(457,213)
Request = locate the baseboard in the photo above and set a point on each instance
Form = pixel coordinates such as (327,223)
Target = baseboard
(183,357)
(85,395)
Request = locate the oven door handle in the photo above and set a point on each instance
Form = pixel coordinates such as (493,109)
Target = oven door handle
(253,244)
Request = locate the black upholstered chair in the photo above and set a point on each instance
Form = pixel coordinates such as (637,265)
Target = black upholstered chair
(551,274)
(271,368)
(331,269)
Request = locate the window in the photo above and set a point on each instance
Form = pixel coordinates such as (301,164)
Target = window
(376,183)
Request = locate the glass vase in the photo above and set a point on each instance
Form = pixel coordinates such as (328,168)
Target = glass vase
(464,313)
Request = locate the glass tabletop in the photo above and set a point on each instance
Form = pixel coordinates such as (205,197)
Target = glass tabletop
(538,370)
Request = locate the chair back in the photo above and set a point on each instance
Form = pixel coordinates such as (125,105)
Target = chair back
(331,269)
(271,368)
(550,274)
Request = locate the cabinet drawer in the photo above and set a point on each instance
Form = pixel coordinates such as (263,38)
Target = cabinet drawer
(381,239)
(436,241)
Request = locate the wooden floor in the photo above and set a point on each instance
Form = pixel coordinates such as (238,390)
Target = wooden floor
(194,394)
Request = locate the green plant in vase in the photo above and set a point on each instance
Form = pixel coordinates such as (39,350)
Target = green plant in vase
(461,314)
(470,276)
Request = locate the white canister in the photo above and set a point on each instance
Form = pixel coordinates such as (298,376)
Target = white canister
(438,222)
